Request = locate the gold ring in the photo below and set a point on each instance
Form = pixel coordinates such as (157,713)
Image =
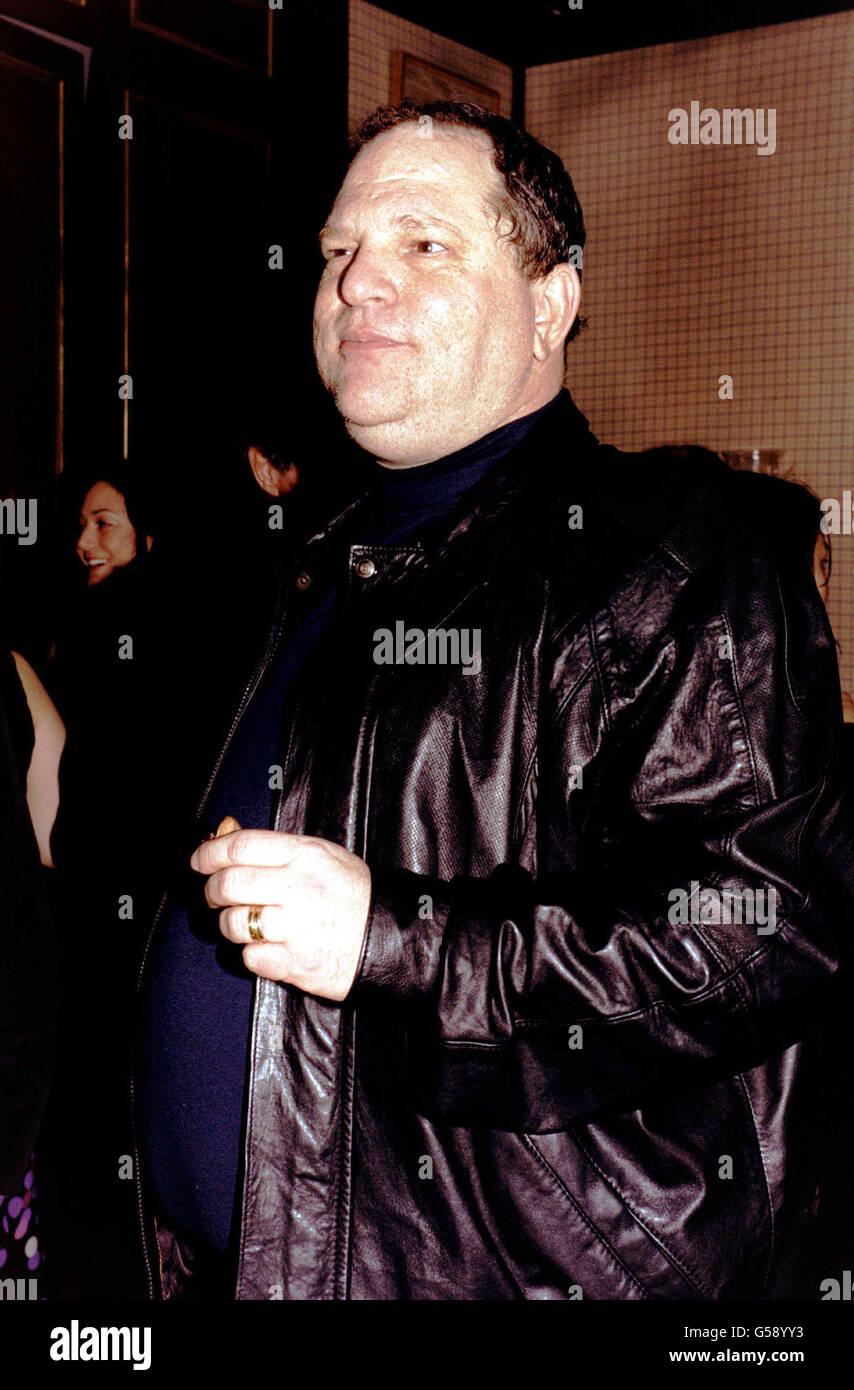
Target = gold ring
(254,929)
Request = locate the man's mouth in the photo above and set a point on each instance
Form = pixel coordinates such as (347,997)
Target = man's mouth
(95,564)
(368,342)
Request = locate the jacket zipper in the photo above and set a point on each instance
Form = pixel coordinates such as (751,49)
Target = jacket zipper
(344,1201)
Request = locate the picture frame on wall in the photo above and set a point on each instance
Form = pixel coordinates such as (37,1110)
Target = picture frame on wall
(422,81)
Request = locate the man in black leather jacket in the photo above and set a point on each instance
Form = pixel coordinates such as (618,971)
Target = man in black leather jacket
(556,876)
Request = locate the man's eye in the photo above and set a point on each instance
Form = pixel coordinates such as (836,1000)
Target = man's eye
(427,247)
(333,253)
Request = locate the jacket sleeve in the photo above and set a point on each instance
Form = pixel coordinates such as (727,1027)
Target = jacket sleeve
(688,900)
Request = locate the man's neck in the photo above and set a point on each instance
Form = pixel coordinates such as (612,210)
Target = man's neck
(524,412)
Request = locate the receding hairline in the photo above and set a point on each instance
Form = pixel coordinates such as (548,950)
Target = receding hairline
(495,202)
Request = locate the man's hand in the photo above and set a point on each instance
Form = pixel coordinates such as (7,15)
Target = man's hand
(314,899)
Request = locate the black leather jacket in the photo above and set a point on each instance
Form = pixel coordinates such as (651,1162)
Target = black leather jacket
(541,1085)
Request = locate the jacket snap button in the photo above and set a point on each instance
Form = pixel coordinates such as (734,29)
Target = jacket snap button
(366,568)
(303,580)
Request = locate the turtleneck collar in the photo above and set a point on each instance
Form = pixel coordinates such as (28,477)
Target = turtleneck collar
(407,499)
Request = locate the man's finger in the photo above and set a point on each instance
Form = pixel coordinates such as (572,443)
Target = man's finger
(239,884)
(260,847)
(234,923)
(272,961)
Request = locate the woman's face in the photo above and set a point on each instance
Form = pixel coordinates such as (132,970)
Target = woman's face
(107,539)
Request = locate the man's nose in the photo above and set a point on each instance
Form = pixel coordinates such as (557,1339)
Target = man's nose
(367,277)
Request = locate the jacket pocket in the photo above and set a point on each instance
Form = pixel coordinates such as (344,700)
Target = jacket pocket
(622,1258)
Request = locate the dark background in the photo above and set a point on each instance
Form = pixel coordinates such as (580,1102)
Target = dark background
(150,256)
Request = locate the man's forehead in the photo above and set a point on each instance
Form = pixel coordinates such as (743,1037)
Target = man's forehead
(446,163)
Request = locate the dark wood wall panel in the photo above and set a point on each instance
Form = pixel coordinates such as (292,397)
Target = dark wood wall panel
(151,255)
(69,17)
(198,269)
(30,268)
(236,31)
(38,84)
(41,87)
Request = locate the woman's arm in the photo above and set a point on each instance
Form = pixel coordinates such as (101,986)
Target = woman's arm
(43,772)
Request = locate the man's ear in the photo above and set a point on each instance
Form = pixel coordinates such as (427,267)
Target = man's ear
(288,480)
(557,301)
(149,542)
(266,476)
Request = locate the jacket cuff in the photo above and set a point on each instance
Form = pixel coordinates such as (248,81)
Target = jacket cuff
(402,949)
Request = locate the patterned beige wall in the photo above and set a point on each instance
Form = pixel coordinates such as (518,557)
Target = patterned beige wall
(710,259)
(374,35)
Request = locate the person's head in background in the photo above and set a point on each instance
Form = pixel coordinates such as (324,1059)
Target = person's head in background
(113,529)
(822,558)
(800,526)
(273,472)
(793,514)
(821,565)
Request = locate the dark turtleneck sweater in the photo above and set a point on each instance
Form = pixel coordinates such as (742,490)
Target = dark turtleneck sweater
(197,1002)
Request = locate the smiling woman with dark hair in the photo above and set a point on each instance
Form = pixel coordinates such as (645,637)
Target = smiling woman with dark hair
(113,528)
(101,678)
(101,645)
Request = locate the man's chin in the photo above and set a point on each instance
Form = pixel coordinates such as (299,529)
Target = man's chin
(370,412)
(375,437)
(386,427)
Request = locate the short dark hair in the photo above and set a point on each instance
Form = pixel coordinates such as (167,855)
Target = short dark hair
(539,199)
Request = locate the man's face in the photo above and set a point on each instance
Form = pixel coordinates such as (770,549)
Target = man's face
(424,323)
